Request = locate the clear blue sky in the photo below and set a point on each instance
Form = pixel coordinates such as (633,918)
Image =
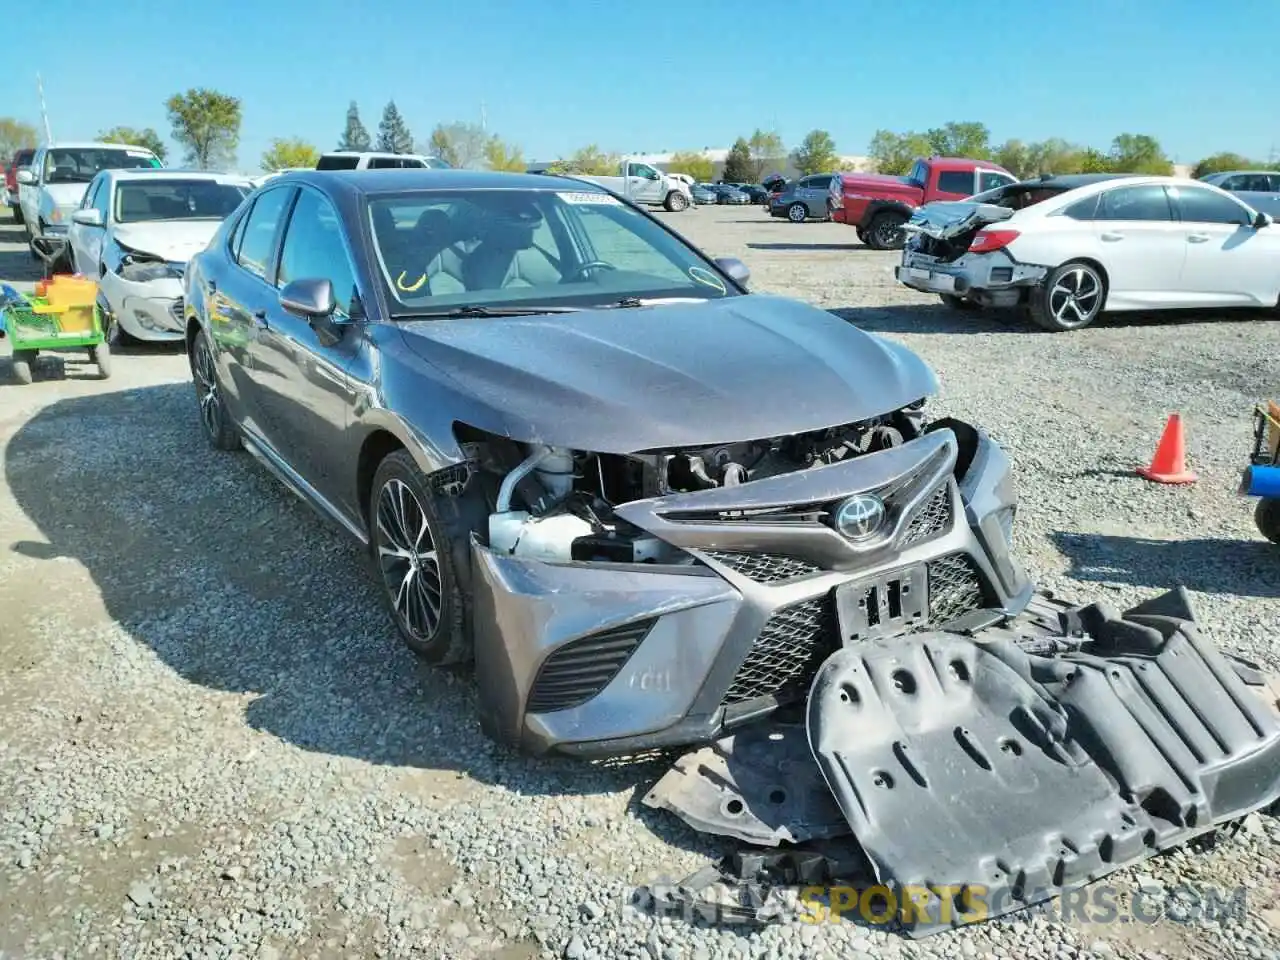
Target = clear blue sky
(663,75)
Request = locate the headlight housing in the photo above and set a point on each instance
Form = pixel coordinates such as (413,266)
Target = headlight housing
(140,270)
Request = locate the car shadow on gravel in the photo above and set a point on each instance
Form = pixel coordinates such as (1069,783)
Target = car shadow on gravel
(933,318)
(1208,565)
(236,585)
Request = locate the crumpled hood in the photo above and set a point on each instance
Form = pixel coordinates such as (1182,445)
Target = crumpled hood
(950,218)
(177,241)
(674,375)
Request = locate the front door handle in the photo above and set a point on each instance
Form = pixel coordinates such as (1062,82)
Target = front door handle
(1112,237)
(1197,238)
(260,319)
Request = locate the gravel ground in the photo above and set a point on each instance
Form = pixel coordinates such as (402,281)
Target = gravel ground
(213,745)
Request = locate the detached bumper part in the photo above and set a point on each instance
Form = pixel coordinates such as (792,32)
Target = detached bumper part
(1029,759)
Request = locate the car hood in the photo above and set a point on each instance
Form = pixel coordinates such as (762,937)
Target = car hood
(63,195)
(175,240)
(950,218)
(673,375)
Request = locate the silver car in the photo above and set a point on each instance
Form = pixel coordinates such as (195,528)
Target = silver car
(805,199)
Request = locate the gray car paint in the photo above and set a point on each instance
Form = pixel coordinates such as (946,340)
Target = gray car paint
(312,401)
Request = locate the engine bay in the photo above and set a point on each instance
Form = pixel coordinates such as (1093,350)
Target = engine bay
(556,504)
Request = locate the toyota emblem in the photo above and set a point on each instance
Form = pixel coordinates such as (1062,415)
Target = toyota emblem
(860,517)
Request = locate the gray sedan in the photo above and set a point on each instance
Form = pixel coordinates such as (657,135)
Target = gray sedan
(646,504)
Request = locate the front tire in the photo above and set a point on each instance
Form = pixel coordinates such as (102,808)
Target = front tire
(676,201)
(1070,298)
(797,213)
(1267,517)
(216,419)
(886,233)
(417,563)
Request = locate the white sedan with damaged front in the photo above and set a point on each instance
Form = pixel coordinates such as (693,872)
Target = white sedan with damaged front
(134,233)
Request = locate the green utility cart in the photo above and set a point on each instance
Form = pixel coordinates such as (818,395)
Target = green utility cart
(63,316)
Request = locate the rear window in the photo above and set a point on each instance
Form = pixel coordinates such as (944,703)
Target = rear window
(955,181)
(332,162)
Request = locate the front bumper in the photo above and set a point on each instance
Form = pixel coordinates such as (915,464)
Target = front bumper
(992,279)
(147,310)
(604,659)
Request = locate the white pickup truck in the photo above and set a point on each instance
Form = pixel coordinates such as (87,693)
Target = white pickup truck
(641,183)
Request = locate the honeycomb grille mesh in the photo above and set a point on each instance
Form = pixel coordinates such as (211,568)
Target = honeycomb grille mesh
(787,653)
(930,519)
(955,588)
(764,567)
(580,669)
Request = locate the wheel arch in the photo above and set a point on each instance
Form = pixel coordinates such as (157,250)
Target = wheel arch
(1096,265)
(877,207)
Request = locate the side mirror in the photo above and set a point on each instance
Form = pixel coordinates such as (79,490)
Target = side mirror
(310,298)
(89,217)
(25,175)
(1262,220)
(735,268)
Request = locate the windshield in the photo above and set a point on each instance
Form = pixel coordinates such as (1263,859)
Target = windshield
(511,248)
(81,164)
(138,201)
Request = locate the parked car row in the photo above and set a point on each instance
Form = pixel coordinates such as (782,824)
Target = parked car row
(1068,248)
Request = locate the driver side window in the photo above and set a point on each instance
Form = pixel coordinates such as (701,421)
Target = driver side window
(314,248)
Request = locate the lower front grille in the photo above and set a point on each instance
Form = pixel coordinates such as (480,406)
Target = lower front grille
(581,668)
(763,567)
(797,639)
(787,653)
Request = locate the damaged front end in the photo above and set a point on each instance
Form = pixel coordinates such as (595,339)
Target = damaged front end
(958,248)
(144,291)
(657,599)
(983,772)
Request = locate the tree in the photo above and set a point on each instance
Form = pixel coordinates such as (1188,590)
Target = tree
(1221,163)
(500,155)
(289,152)
(1093,161)
(696,165)
(1016,157)
(588,161)
(393,132)
(740,166)
(207,124)
(1138,153)
(893,153)
(816,153)
(968,139)
(766,148)
(354,135)
(461,145)
(146,137)
(15,135)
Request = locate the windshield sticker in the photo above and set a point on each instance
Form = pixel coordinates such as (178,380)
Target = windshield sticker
(413,287)
(603,198)
(707,278)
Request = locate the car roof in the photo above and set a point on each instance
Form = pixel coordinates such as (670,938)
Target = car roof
(1071,181)
(404,180)
(94,144)
(1236,173)
(372,153)
(175,173)
(963,163)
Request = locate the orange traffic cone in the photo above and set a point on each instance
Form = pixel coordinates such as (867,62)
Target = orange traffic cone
(1169,465)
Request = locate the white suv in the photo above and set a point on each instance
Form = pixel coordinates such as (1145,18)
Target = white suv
(351,160)
(51,188)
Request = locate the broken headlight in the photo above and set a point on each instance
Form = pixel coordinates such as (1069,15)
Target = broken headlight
(138,269)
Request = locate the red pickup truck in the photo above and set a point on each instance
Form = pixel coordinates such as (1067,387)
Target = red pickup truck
(878,205)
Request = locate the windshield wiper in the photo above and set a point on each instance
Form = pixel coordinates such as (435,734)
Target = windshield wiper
(476,310)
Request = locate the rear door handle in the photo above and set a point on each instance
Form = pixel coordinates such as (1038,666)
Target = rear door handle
(1112,237)
(1197,238)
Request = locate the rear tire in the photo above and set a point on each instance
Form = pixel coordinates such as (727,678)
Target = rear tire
(959,303)
(797,213)
(417,552)
(219,430)
(1267,517)
(1070,298)
(22,362)
(885,231)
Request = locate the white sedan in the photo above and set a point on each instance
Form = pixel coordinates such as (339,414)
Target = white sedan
(134,233)
(1069,248)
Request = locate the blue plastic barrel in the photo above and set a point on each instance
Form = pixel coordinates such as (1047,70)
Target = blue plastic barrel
(1261,481)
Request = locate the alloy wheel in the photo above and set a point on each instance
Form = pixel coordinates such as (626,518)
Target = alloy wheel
(1075,297)
(207,390)
(797,213)
(408,560)
(889,234)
